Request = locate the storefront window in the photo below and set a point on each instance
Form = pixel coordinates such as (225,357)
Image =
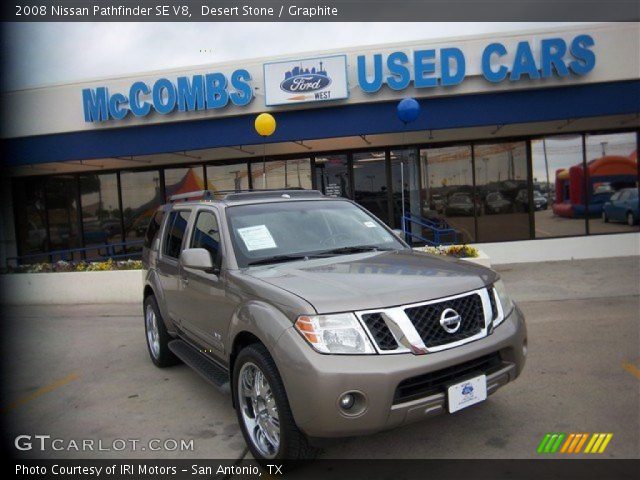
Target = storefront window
(406,184)
(557,186)
(62,212)
(370,183)
(502,192)
(100,212)
(612,182)
(233,177)
(30,215)
(141,197)
(282,174)
(183,180)
(332,175)
(448,207)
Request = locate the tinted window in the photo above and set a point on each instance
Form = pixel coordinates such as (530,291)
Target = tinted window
(175,233)
(101,216)
(282,174)
(183,180)
(62,212)
(370,183)
(612,166)
(206,234)
(557,167)
(141,196)
(501,168)
(447,206)
(30,214)
(228,177)
(153,229)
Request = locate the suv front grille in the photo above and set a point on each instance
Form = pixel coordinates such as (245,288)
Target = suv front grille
(426,320)
(380,331)
(436,382)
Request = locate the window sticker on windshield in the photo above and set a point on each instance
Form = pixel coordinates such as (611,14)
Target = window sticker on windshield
(257,237)
(370,224)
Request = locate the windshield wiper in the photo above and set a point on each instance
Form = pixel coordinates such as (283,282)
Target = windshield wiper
(355,249)
(278,259)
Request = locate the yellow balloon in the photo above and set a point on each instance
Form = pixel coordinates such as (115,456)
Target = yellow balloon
(265,124)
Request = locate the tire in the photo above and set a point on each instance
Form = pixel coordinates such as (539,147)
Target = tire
(631,221)
(160,354)
(605,219)
(292,444)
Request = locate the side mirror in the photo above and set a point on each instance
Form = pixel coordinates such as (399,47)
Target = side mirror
(197,258)
(398,233)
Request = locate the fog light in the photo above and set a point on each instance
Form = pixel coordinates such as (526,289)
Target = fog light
(346,401)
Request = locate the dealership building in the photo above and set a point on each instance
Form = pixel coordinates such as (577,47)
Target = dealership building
(520,139)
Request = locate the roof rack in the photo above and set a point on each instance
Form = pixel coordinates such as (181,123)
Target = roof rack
(209,195)
(197,195)
(288,193)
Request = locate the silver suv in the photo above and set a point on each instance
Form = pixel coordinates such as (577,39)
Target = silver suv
(318,319)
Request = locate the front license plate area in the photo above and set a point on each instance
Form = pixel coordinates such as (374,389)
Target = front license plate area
(469,392)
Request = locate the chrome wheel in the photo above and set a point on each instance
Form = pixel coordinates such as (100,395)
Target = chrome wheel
(153,335)
(259,410)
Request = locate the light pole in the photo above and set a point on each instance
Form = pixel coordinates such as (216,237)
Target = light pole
(485,160)
(604,148)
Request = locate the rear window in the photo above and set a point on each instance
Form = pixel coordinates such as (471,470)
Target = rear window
(153,228)
(176,229)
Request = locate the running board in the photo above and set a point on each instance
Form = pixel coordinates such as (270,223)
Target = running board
(211,371)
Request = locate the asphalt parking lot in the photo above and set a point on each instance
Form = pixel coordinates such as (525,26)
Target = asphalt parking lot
(83,372)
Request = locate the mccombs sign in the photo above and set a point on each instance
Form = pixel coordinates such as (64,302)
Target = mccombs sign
(326,78)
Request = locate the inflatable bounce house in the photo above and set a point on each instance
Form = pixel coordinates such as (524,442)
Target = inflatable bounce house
(605,175)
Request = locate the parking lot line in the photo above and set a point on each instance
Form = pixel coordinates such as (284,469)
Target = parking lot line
(632,369)
(41,391)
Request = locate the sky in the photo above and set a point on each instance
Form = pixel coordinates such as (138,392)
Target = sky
(38,54)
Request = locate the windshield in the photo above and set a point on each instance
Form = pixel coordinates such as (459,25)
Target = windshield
(275,231)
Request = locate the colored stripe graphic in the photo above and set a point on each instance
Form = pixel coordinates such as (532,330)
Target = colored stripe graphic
(598,443)
(551,442)
(572,443)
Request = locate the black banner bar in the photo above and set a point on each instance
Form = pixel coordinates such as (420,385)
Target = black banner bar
(318,10)
(542,469)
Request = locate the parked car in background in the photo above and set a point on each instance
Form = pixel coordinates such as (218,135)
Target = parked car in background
(540,202)
(437,202)
(495,203)
(461,205)
(622,207)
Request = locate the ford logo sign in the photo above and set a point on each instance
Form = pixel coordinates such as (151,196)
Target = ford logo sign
(467,389)
(311,82)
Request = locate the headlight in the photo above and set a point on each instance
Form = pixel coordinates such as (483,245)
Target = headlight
(339,333)
(505,302)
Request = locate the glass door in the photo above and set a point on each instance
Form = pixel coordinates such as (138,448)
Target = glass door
(332,175)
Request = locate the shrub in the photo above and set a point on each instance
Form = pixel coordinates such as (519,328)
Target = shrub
(81,266)
(458,251)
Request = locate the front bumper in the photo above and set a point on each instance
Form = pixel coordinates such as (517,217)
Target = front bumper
(314,381)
